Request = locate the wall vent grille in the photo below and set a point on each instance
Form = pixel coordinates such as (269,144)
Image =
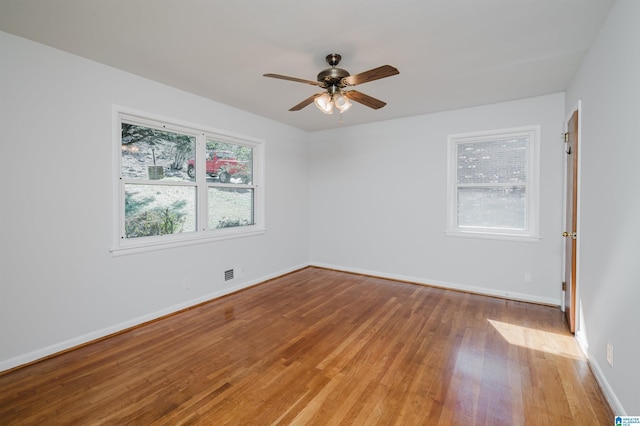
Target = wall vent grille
(228,275)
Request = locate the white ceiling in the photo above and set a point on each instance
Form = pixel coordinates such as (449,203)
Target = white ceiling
(450,53)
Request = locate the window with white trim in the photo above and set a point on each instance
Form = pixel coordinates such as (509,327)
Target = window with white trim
(493,184)
(178,184)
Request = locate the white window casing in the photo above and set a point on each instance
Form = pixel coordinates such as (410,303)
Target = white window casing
(493,184)
(198,221)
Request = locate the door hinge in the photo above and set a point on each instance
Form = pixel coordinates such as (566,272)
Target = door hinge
(565,135)
(564,286)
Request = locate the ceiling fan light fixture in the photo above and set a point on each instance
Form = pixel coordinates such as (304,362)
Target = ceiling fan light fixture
(341,102)
(324,103)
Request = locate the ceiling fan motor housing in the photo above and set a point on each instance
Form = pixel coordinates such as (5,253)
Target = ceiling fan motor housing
(333,76)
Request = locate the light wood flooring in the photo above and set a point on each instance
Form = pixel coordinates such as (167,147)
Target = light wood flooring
(321,347)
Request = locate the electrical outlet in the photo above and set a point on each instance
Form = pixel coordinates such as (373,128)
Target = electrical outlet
(186,283)
(610,353)
(527,277)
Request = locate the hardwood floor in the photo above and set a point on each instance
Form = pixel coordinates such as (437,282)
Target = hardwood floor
(322,347)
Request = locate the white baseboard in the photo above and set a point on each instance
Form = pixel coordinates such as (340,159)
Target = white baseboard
(95,335)
(609,394)
(607,390)
(446,285)
(98,334)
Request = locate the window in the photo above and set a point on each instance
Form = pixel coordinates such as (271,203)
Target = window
(493,184)
(179,184)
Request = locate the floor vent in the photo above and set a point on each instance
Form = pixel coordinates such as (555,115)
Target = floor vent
(228,275)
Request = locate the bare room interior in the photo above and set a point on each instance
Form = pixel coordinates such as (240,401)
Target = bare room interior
(277,212)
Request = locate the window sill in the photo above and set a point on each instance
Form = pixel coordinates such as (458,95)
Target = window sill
(134,247)
(494,236)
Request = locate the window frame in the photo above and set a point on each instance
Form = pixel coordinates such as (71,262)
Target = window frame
(202,234)
(531,231)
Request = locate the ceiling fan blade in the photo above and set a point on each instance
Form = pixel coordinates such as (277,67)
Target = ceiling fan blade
(304,103)
(374,74)
(299,80)
(367,100)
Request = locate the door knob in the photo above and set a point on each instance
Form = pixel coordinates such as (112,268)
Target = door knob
(570,234)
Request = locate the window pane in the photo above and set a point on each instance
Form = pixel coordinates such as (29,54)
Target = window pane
(495,161)
(229,207)
(492,207)
(229,163)
(159,210)
(151,154)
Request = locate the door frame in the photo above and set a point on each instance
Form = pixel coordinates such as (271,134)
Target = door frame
(577,312)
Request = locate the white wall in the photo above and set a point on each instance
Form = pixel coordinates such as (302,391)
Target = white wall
(608,84)
(364,198)
(60,285)
(379,203)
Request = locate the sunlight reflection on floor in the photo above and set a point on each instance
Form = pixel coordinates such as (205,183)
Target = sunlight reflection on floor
(552,343)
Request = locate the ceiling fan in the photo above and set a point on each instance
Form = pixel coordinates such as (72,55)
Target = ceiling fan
(337,82)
